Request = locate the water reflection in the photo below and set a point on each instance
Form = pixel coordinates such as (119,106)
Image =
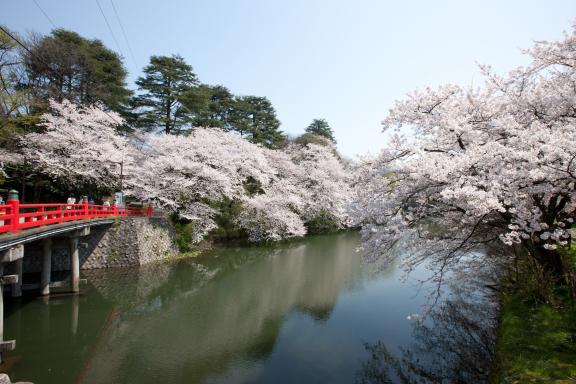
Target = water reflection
(219,309)
(452,344)
(305,311)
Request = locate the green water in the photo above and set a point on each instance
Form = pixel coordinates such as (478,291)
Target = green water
(301,312)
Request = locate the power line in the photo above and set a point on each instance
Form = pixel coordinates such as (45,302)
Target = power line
(47,65)
(16,40)
(109,27)
(124,34)
(45,14)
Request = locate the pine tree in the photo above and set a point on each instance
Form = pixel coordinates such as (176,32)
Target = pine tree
(170,86)
(255,118)
(214,107)
(66,65)
(320,127)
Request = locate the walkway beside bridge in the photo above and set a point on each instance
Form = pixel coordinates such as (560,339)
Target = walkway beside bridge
(25,223)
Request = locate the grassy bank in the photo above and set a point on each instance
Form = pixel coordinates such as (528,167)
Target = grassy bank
(537,342)
(537,338)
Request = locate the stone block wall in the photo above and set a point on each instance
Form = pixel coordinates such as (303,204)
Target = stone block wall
(127,242)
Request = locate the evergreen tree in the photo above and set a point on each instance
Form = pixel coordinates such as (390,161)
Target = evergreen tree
(255,118)
(214,106)
(170,93)
(320,127)
(66,65)
(13,98)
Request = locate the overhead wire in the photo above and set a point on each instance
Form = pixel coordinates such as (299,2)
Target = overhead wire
(9,34)
(45,14)
(124,34)
(109,27)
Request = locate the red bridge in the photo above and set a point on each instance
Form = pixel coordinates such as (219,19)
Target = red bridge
(15,217)
(21,224)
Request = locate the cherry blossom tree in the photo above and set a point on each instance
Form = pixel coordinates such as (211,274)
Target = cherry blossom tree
(188,174)
(325,180)
(270,217)
(279,191)
(480,165)
(78,144)
(185,174)
(309,182)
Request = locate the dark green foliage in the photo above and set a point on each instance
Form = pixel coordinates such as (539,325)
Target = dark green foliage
(537,338)
(252,186)
(323,223)
(15,117)
(321,127)
(226,219)
(215,105)
(65,64)
(311,138)
(174,101)
(169,94)
(184,234)
(255,118)
(537,341)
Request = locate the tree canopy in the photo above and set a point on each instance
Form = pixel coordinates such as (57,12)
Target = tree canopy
(255,118)
(174,101)
(167,87)
(68,68)
(495,163)
(321,127)
(13,99)
(189,175)
(66,65)
(216,104)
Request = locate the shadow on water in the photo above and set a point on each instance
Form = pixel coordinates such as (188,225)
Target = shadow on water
(454,343)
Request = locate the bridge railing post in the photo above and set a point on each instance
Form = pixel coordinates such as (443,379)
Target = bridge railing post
(85,207)
(14,203)
(41,216)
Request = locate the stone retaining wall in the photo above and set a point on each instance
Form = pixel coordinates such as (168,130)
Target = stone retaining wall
(127,242)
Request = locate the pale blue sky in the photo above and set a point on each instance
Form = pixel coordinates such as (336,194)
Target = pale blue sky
(345,61)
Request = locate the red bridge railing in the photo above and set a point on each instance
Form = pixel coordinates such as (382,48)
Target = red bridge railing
(15,217)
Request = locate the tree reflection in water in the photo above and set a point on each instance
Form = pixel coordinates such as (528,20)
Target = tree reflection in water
(453,344)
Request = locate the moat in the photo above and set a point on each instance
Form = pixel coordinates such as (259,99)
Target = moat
(306,311)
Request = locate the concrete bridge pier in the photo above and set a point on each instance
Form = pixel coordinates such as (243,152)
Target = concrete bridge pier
(74,264)
(5,345)
(14,255)
(75,258)
(17,286)
(46,266)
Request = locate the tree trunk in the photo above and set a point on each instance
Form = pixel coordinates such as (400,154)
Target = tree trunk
(23,176)
(36,190)
(551,261)
(167,123)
